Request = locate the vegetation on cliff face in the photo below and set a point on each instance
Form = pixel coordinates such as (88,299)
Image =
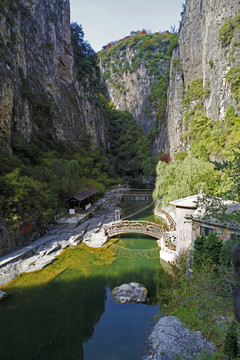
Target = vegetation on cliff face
(204,141)
(226,32)
(128,149)
(208,138)
(38,176)
(127,56)
(84,56)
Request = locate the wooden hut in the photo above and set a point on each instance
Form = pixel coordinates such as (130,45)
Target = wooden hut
(83,201)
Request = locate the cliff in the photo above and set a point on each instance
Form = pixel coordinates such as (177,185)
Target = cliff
(39,93)
(135,73)
(208,49)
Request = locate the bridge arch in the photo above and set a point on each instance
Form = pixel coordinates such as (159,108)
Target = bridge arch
(142,227)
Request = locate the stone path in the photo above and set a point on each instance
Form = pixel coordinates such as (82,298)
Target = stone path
(67,232)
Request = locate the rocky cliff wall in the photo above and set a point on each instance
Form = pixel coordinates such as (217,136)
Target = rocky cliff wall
(40,95)
(128,91)
(135,74)
(201,54)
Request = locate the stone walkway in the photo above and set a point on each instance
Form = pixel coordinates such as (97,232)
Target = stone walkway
(69,231)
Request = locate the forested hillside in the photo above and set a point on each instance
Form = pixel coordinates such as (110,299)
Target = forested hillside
(59,135)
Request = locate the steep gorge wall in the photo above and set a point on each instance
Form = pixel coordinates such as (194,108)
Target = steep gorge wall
(135,74)
(200,54)
(128,91)
(39,93)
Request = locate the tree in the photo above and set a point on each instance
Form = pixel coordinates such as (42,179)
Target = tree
(230,347)
(218,208)
(207,249)
(173,29)
(184,178)
(84,56)
(77,36)
(149,166)
(198,254)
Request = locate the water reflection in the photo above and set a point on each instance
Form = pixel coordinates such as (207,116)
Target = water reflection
(66,312)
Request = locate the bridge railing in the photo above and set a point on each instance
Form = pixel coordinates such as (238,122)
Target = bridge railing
(127,226)
(138,194)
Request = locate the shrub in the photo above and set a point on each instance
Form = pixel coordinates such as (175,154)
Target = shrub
(230,347)
(147,45)
(226,32)
(211,63)
(207,249)
(180,155)
(233,77)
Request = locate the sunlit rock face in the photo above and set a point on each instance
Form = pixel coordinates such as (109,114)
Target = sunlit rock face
(130,74)
(201,54)
(39,93)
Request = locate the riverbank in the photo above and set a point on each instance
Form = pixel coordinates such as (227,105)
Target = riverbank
(170,340)
(68,231)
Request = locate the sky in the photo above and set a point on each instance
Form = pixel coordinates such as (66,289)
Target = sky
(104,21)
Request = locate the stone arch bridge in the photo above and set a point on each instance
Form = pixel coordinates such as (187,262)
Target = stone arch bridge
(142,227)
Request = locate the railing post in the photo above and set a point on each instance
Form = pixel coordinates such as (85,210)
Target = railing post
(117,215)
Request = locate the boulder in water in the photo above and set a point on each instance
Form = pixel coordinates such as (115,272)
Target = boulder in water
(3,295)
(132,292)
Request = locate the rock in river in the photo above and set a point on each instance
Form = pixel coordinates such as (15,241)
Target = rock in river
(130,292)
(3,295)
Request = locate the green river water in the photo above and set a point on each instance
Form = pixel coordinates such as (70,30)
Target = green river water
(65,311)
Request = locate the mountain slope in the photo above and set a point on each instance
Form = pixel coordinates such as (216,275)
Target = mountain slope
(135,73)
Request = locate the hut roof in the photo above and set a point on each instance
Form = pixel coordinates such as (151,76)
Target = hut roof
(84,195)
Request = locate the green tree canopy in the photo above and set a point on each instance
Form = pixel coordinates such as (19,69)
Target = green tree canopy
(184,178)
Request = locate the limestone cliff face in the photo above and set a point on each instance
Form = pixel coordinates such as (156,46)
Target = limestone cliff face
(135,73)
(201,54)
(39,93)
(129,91)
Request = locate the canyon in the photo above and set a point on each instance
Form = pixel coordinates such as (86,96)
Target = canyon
(162,79)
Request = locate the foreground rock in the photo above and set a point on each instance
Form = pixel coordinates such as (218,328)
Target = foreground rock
(170,338)
(130,292)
